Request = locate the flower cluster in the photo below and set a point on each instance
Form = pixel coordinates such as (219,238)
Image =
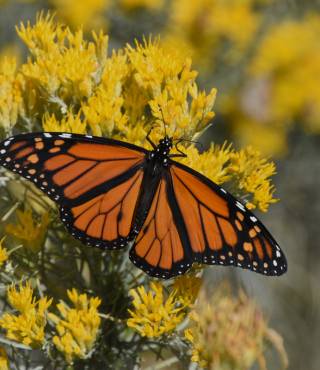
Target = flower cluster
(154,314)
(198,29)
(78,327)
(257,64)
(74,86)
(28,326)
(279,58)
(187,288)
(203,27)
(11,101)
(230,331)
(271,103)
(27,230)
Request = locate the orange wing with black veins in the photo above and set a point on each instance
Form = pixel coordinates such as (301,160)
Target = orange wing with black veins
(159,249)
(220,229)
(96,181)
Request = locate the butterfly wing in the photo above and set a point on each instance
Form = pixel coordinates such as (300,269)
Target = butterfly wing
(160,247)
(220,229)
(191,219)
(96,181)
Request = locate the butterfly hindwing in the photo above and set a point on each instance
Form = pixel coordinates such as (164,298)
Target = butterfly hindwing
(106,220)
(95,181)
(160,247)
(220,229)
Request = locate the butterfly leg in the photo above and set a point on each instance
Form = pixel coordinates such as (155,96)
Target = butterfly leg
(181,154)
(150,141)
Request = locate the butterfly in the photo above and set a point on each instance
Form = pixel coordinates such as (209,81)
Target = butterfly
(112,193)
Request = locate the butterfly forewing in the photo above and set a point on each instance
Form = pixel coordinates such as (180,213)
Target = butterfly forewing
(96,181)
(220,229)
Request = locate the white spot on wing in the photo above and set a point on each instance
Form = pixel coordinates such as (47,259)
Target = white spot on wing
(278,254)
(46,134)
(6,143)
(66,135)
(2,151)
(223,191)
(240,205)
(253,219)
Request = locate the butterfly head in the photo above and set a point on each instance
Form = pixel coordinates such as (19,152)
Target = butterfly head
(165,143)
(162,150)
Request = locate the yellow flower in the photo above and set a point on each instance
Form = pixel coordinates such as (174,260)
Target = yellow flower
(3,253)
(293,92)
(86,13)
(229,332)
(103,111)
(154,314)
(64,65)
(69,123)
(154,65)
(29,231)
(4,365)
(77,328)
(213,163)
(198,352)
(165,77)
(28,326)
(252,174)
(11,103)
(187,289)
(135,89)
(135,134)
(206,25)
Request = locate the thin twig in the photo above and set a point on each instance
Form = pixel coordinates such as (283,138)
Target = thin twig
(170,361)
(14,344)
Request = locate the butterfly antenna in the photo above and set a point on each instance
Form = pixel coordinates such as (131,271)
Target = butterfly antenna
(163,120)
(149,139)
(190,141)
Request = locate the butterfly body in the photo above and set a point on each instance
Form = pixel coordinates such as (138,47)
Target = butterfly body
(160,154)
(112,193)
(155,168)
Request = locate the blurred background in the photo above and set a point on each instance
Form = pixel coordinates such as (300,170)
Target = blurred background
(263,57)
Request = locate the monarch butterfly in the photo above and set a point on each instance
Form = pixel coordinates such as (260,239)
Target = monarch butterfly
(111,193)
